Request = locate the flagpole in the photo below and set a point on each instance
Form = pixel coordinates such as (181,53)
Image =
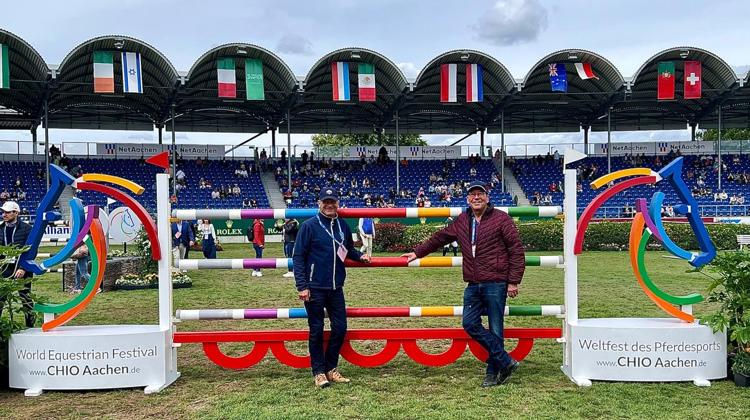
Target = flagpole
(502,151)
(46,139)
(289,149)
(609,140)
(719,148)
(398,159)
(174,155)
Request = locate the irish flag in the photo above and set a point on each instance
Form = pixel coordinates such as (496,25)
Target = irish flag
(226,78)
(104,72)
(340,81)
(448,83)
(366,82)
(4,67)
(474,90)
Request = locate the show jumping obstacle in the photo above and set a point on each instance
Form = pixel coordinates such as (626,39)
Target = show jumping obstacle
(395,339)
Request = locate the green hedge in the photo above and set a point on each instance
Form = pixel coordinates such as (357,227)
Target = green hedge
(547,235)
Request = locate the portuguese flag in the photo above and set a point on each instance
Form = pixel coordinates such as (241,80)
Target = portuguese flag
(4,67)
(104,72)
(665,78)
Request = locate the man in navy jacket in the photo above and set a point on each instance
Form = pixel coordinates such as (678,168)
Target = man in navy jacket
(182,239)
(323,243)
(16,232)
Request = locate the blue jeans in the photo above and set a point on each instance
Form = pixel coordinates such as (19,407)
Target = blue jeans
(289,250)
(258,253)
(333,301)
(489,299)
(82,271)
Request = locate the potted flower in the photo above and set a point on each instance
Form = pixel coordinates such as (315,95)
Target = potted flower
(731,290)
(13,311)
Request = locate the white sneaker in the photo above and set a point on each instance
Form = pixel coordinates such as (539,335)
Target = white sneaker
(260,274)
(288,274)
(254,273)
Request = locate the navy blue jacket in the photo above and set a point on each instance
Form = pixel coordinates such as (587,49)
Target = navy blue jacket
(316,264)
(19,237)
(186,236)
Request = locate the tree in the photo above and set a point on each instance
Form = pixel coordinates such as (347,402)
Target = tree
(712,134)
(366,140)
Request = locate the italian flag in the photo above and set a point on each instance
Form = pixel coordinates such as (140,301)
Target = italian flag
(665,78)
(4,67)
(226,78)
(366,82)
(104,72)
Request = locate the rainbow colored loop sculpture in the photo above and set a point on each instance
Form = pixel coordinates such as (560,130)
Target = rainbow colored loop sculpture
(647,223)
(85,229)
(395,339)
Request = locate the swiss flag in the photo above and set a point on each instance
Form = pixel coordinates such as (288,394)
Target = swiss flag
(693,80)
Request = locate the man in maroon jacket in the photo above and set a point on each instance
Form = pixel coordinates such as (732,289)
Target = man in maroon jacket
(493,266)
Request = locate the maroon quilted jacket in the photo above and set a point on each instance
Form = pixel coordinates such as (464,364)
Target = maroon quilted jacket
(500,254)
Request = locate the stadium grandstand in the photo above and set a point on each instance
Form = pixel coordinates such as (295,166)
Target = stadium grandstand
(244,88)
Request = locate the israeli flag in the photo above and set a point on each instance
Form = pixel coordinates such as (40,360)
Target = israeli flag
(132,77)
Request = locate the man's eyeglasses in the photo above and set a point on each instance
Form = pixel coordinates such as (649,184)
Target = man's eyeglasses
(477,194)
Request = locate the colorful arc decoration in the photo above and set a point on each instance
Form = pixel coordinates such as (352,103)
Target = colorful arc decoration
(647,223)
(85,228)
(372,312)
(287,263)
(416,212)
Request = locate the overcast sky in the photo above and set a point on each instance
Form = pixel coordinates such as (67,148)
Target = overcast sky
(411,33)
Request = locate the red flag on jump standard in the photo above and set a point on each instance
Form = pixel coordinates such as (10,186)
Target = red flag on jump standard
(693,80)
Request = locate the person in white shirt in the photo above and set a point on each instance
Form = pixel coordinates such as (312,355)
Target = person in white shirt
(207,233)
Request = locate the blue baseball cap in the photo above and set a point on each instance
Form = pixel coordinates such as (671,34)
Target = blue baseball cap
(328,194)
(477,185)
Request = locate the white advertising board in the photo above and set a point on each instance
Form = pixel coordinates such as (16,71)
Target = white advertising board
(646,350)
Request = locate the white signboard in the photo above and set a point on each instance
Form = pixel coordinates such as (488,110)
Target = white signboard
(137,150)
(124,225)
(408,152)
(646,349)
(93,357)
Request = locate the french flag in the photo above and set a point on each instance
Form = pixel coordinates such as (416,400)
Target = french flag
(474,90)
(340,80)
(448,83)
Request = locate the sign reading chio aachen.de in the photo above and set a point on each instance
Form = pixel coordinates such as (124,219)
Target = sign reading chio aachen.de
(102,357)
(647,349)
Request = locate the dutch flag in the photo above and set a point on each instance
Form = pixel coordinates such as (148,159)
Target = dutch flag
(474,90)
(340,80)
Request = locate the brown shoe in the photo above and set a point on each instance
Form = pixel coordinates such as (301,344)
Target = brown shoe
(321,381)
(335,376)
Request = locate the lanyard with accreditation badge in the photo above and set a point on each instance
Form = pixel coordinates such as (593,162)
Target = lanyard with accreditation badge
(341,251)
(474,225)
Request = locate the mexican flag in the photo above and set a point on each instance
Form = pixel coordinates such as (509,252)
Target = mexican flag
(4,67)
(104,72)
(254,79)
(665,78)
(366,82)
(226,78)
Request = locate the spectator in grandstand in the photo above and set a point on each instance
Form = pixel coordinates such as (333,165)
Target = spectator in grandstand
(259,242)
(288,196)
(312,156)
(515,200)
(741,199)
(19,183)
(283,156)
(304,157)
(670,211)
(180,176)
(493,267)
(253,203)
(5,195)
(183,238)
(322,239)
(732,199)
(215,194)
(579,187)
(404,162)
(473,172)
(556,156)
(16,232)
(383,156)
(236,190)
(208,238)
(245,203)
(21,195)
(263,160)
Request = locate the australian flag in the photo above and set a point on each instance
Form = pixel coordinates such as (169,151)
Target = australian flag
(558,77)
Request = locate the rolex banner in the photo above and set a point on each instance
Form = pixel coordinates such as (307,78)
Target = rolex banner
(254,79)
